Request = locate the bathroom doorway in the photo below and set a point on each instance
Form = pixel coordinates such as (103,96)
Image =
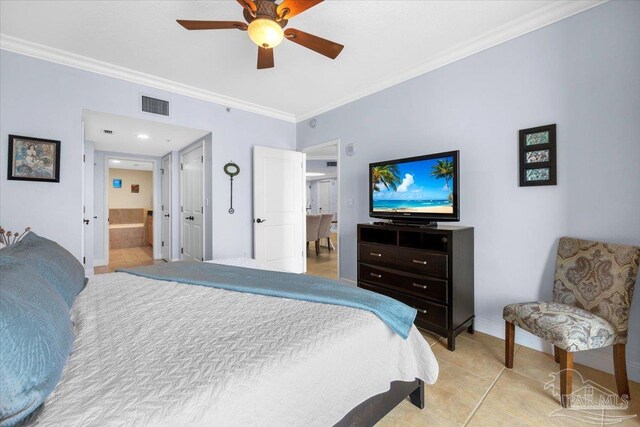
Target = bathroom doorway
(130,198)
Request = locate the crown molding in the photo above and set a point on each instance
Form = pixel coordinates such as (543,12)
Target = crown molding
(36,50)
(554,12)
(542,17)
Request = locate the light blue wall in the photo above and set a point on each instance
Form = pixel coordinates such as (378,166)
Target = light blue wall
(582,73)
(44,99)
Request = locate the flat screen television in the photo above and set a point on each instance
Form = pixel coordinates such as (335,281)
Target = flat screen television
(422,189)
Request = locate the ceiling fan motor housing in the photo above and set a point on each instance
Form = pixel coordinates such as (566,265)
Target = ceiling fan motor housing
(266,9)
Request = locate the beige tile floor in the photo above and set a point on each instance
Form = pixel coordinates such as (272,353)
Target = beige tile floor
(129,257)
(475,389)
(325,264)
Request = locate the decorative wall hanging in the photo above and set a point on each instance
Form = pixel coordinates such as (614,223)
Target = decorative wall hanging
(538,156)
(232,170)
(135,188)
(33,159)
(117,183)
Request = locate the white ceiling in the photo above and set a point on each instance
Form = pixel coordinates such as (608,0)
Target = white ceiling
(386,42)
(130,164)
(163,137)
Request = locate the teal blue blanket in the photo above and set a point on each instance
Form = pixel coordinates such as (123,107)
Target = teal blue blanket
(398,316)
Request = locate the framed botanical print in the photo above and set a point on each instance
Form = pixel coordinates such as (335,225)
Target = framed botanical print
(538,156)
(33,159)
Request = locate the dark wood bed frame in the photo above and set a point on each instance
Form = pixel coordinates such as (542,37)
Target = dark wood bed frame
(375,408)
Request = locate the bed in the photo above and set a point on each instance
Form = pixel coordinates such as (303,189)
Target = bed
(161,353)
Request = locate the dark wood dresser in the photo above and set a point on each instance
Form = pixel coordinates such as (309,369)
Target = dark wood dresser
(428,268)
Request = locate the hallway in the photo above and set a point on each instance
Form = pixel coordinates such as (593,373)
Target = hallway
(128,257)
(325,264)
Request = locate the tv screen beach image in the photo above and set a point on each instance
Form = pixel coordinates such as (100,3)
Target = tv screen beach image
(421,186)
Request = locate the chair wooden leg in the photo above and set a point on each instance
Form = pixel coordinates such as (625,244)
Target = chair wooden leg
(510,335)
(566,377)
(620,369)
(329,243)
(318,247)
(556,354)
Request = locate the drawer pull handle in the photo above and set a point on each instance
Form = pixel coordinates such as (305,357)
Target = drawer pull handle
(377,276)
(374,254)
(419,310)
(419,261)
(418,285)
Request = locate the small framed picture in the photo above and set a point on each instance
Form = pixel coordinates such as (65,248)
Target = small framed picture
(33,159)
(538,156)
(135,188)
(117,183)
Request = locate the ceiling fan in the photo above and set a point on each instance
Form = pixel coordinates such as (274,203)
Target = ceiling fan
(265,23)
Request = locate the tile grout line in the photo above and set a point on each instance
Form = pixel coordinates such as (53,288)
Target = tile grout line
(483,397)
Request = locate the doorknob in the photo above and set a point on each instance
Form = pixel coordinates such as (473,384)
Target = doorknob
(86,221)
(259,221)
(166,216)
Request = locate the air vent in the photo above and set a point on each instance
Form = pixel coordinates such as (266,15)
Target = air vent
(330,164)
(107,131)
(155,106)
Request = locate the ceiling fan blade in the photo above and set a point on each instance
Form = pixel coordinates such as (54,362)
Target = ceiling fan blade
(249,5)
(265,58)
(322,46)
(212,25)
(290,8)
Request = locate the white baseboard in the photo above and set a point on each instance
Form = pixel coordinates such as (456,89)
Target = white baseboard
(99,262)
(600,359)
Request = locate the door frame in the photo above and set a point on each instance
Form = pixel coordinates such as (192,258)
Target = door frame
(337,144)
(168,156)
(189,148)
(157,254)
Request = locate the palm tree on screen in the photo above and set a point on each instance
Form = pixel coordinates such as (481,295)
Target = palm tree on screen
(444,169)
(387,175)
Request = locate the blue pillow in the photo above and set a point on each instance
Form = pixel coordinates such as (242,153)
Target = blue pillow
(61,269)
(36,338)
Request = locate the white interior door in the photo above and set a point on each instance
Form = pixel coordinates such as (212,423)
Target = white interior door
(192,211)
(324,197)
(165,219)
(278,208)
(87,209)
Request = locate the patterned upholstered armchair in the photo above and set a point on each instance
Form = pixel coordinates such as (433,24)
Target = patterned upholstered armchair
(591,299)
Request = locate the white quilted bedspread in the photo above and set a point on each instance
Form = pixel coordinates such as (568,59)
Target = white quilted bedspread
(158,353)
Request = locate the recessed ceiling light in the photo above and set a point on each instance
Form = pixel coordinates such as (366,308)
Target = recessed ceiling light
(115,161)
(314,174)
(143,136)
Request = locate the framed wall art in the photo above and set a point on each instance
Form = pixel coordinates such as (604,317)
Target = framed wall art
(33,159)
(538,156)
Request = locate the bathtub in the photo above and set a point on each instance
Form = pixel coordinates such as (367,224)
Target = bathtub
(115,226)
(126,235)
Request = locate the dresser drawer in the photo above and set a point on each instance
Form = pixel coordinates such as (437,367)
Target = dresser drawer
(414,284)
(427,311)
(423,262)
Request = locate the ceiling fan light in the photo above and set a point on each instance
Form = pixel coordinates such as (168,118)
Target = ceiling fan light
(265,33)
